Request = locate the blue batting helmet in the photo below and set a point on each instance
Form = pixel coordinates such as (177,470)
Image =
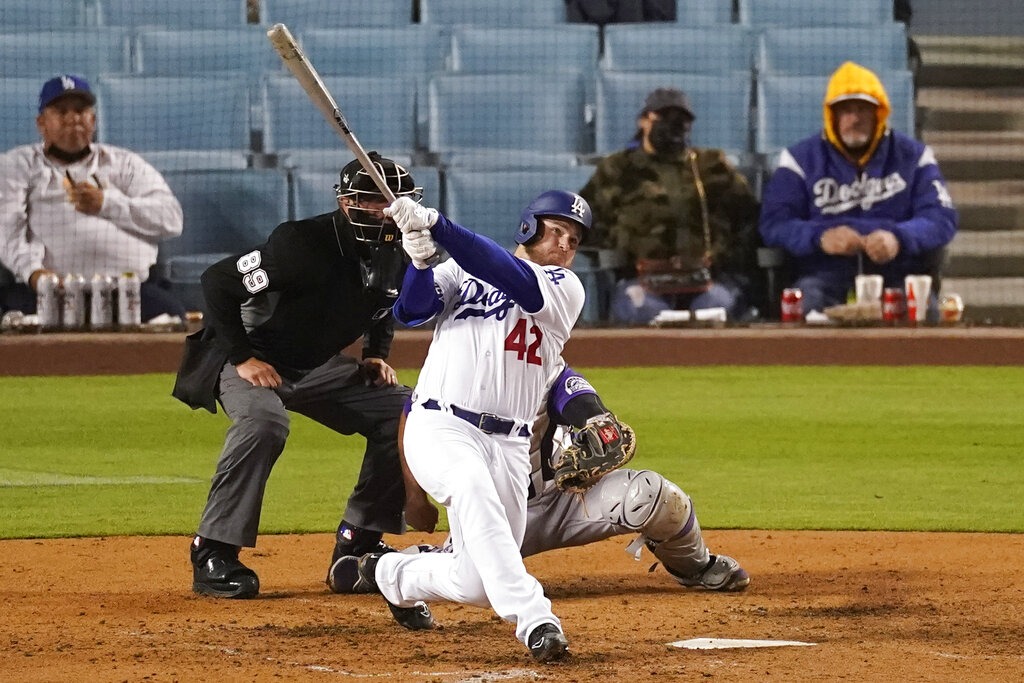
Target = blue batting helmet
(553,203)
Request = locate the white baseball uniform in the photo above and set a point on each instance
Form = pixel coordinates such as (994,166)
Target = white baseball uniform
(490,358)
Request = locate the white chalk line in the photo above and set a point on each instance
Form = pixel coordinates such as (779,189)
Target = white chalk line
(729,643)
(12,478)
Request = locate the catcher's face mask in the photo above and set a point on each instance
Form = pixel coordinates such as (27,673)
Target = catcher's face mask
(362,201)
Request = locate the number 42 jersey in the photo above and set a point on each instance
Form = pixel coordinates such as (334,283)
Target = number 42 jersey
(489,355)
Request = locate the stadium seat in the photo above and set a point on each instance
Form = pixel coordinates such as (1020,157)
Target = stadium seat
(381,52)
(541,111)
(161,113)
(226,212)
(720,103)
(789,107)
(815,12)
(180,14)
(491,202)
(330,159)
(703,12)
(300,15)
(197,159)
(569,47)
(508,159)
(815,51)
(161,52)
(19,106)
(85,52)
(381,112)
(314,190)
(721,49)
(497,15)
(41,14)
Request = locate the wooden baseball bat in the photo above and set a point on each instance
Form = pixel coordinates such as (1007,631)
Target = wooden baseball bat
(286,46)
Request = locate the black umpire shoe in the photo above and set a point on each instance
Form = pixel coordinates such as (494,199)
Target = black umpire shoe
(415,618)
(547,643)
(217,572)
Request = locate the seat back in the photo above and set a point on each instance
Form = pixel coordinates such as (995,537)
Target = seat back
(300,15)
(85,52)
(789,107)
(313,191)
(494,14)
(703,12)
(41,14)
(721,49)
(814,51)
(165,113)
(180,14)
(815,12)
(162,52)
(376,51)
(543,111)
(568,47)
(381,113)
(721,105)
(19,106)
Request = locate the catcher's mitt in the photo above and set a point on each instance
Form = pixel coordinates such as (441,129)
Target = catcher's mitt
(604,445)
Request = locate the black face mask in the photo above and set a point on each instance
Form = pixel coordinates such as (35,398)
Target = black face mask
(670,133)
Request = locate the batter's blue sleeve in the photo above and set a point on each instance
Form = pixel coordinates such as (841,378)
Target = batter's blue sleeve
(486,259)
(418,301)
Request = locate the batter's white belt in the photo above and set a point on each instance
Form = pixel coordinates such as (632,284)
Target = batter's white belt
(488,423)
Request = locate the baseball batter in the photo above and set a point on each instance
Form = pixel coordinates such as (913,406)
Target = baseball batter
(501,323)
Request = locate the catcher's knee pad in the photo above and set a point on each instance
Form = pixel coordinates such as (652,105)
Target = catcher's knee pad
(644,501)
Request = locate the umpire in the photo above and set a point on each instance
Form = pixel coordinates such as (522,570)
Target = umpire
(278,318)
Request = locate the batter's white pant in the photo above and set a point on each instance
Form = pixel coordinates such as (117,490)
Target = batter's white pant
(482,480)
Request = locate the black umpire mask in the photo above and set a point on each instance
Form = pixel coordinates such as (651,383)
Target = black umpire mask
(670,132)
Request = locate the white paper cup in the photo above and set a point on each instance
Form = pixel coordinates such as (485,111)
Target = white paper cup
(869,288)
(918,287)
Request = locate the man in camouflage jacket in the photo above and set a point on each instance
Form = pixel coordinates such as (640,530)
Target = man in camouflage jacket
(646,204)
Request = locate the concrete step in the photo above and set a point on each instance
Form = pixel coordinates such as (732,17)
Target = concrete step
(993,301)
(987,206)
(971,109)
(986,254)
(970,62)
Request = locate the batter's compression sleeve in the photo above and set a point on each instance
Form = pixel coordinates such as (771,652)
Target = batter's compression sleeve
(418,301)
(486,259)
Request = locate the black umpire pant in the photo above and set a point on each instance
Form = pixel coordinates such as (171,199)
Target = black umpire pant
(334,395)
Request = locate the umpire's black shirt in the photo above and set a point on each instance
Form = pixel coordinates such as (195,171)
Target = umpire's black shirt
(298,299)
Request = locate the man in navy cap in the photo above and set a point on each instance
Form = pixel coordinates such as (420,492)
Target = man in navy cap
(70,205)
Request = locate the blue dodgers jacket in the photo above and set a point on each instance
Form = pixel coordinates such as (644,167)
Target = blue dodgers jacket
(895,186)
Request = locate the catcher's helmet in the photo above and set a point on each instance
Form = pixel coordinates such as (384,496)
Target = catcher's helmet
(356,184)
(553,203)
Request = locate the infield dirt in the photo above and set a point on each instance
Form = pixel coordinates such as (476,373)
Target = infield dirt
(880,606)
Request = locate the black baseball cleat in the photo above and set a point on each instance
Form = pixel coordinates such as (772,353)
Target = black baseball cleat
(547,643)
(415,618)
(351,542)
(217,572)
(343,577)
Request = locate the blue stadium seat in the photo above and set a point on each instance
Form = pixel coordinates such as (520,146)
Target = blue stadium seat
(789,107)
(721,49)
(314,190)
(41,14)
(330,159)
(493,14)
(720,103)
(815,12)
(509,159)
(160,113)
(703,12)
(816,51)
(568,47)
(382,52)
(381,112)
(490,203)
(85,52)
(160,52)
(19,106)
(181,14)
(542,111)
(299,15)
(197,159)
(226,212)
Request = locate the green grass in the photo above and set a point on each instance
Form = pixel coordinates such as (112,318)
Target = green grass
(768,448)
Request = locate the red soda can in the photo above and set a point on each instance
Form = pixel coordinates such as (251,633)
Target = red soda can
(792,306)
(892,304)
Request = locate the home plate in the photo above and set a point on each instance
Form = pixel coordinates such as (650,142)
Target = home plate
(726,643)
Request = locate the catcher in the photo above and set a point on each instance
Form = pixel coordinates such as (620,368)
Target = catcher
(580,444)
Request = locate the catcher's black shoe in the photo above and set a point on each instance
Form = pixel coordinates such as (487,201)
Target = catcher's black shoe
(415,618)
(217,572)
(547,643)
